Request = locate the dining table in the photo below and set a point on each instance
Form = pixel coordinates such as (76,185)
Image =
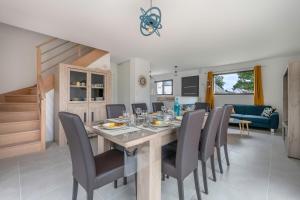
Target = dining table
(148,141)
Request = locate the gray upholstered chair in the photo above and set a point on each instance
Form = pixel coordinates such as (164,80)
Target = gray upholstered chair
(90,171)
(202,106)
(157,106)
(207,143)
(115,110)
(221,139)
(184,161)
(142,106)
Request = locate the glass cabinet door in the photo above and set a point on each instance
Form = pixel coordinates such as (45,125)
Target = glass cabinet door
(97,87)
(78,86)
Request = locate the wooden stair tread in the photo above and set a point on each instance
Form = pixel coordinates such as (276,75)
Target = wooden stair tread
(17,116)
(17,126)
(35,130)
(20,143)
(20,149)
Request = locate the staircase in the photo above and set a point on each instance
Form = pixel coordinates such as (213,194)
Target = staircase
(20,131)
(23,112)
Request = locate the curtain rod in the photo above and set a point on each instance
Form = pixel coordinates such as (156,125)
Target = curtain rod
(231,70)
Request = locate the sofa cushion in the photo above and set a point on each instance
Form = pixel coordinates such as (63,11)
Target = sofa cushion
(256,119)
(237,116)
(248,109)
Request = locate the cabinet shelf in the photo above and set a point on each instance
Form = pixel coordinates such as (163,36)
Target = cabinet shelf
(75,86)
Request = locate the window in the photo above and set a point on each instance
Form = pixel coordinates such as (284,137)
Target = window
(234,83)
(164,87)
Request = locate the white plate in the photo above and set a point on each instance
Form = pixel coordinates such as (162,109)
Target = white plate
(108,126)
(161,124)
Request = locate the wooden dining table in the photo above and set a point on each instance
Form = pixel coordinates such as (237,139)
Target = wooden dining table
(149,145)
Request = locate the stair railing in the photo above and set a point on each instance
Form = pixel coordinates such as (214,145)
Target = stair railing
(50,54)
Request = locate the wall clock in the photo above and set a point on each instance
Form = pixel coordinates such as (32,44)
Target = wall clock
(142,81)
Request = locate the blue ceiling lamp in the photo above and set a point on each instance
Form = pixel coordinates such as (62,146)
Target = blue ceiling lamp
(150,21)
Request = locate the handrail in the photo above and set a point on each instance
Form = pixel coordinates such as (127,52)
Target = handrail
(55,47)
(60,53)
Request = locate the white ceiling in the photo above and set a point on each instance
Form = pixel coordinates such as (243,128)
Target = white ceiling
(196,33)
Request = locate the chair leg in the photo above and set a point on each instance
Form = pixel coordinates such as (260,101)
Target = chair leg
(219,159)
(75,189)
(226,154)
(213,169)
(125,181)
(204,175)
(116,184)
(197,186)
(180,189)
(163,177)
(136,188)
(90,195)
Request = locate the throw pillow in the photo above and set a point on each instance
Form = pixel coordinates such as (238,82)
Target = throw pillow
(267,112)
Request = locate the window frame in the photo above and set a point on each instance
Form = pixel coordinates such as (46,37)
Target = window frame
(163,89)
(233,72)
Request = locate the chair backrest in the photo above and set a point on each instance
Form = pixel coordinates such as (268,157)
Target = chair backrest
(202,106)
(142,106)
(188,142)
(208,137)
(114,110)
(221,138)
(157,106)
(83,163)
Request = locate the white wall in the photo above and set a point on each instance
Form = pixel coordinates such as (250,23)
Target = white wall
(272,73)
(124,84)
(17,57)
(128,90)
(114,72)
(141,94)
(101,63)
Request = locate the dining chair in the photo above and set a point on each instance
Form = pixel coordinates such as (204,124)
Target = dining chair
(221,139)
(202,106)
(90,171)
(207,143)
(157,106)
(142,106)
(115,110)
(184,161)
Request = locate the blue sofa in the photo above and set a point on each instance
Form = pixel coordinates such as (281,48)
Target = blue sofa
(253,113)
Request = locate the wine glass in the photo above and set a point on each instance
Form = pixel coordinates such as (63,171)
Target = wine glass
(138,111)
(163,109)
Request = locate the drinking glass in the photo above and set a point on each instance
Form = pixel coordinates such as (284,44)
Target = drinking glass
(163,109)
(138,111)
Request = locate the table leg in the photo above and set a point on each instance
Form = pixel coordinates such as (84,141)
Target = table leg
(103,144)
(149,170)
(240,125)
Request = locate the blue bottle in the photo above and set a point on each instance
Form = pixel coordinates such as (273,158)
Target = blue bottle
(176,107)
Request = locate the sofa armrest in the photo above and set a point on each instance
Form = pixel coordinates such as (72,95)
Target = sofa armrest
(274,120)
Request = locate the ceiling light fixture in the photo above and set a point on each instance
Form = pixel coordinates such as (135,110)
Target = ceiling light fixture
(150,21)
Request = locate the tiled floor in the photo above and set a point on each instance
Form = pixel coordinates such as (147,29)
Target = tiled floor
(259,170)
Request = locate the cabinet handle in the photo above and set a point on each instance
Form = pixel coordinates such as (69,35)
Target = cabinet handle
(84,117)
(92,116)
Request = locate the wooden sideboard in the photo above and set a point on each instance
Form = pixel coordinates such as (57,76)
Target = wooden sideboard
(291,109)
(82,91)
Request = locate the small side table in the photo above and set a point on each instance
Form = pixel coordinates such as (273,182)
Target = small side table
(244,126)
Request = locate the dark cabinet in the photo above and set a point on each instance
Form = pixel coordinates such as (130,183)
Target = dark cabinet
(190,86)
